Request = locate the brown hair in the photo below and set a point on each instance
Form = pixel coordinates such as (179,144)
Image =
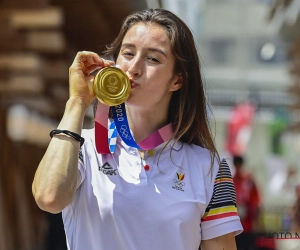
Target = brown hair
(188,105)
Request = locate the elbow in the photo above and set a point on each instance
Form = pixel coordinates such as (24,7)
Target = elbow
(49,206)
(49,203)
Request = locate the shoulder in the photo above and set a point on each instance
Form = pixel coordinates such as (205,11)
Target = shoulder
(203,158)
(197,152)
(203,162)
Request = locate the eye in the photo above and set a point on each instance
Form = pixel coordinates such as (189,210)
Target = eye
(153,59)
(127,53)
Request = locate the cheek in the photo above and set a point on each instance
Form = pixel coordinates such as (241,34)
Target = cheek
(118,60)
(121,64)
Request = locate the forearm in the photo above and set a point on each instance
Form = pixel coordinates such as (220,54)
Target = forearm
(224,242)
(56,178)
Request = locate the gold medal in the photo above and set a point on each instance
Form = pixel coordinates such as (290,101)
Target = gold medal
(111,86)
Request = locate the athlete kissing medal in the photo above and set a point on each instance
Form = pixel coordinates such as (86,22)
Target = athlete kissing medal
(112,88)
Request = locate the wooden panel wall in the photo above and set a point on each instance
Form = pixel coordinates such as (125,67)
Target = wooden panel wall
(22,224)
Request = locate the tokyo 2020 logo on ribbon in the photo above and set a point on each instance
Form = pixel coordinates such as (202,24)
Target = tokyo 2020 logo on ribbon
(124,132)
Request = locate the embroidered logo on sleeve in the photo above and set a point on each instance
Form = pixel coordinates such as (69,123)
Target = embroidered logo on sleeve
(107,169)
(179,184)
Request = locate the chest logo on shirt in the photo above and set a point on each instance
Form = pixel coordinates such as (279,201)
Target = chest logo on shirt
(179,184)
(107,169)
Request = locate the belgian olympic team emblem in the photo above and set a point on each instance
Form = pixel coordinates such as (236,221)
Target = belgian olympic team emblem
(180,177)
(124,132)
(179,184)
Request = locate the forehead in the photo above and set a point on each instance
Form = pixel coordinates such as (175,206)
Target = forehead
(147,34)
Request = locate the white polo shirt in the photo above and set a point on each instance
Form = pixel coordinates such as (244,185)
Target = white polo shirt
(173,205)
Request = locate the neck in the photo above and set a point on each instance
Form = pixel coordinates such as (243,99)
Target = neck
(145,122)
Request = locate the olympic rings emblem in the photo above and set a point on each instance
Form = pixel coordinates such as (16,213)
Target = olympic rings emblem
(124,132)
(179,183)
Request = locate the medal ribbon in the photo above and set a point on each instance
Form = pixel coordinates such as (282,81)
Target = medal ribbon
(106,139)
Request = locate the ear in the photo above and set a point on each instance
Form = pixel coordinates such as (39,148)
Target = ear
(177,83)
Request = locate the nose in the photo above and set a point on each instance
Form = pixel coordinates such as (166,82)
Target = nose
(135,67)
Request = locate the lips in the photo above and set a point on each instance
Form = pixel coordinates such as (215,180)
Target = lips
(133,84)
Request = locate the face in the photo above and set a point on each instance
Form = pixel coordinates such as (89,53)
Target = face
(146,57)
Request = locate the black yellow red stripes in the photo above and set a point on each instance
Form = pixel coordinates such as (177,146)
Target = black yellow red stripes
(223,201)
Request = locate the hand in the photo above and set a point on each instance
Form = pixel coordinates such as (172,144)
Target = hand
(80,80)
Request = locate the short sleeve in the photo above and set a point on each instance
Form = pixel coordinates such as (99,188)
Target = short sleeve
(83,157)
(80,157)
(81,167)
(221,216)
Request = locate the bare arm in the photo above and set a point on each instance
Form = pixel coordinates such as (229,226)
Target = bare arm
(224,242)
(57,175)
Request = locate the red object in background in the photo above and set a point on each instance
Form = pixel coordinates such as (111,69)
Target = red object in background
(247,199)
(239,128)
(265,243)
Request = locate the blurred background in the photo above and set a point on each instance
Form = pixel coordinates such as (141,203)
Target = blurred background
(250,54)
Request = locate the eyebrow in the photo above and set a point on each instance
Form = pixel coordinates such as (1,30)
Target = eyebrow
(130,45)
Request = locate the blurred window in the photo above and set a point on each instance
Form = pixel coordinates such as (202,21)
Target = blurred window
(267,51)
(267,2)
(220,50)
(220,1)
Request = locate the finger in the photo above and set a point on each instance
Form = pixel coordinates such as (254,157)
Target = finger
(84,68)
(89,78)
(111,63)
(87,62)
(91,58)
(93,68)
(88,70)
(88,58)
(107,63)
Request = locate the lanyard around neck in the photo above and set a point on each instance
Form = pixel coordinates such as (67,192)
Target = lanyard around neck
(106,138)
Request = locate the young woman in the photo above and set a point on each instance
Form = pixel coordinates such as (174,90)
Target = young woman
(176,195)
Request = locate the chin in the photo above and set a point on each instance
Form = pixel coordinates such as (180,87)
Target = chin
(130,101)
(134,102)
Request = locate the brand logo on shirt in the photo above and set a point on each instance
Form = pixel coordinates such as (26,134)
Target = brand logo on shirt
(107,169)
(179,184)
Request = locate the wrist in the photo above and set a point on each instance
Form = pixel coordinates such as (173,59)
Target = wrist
(77,105)
(74,114)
